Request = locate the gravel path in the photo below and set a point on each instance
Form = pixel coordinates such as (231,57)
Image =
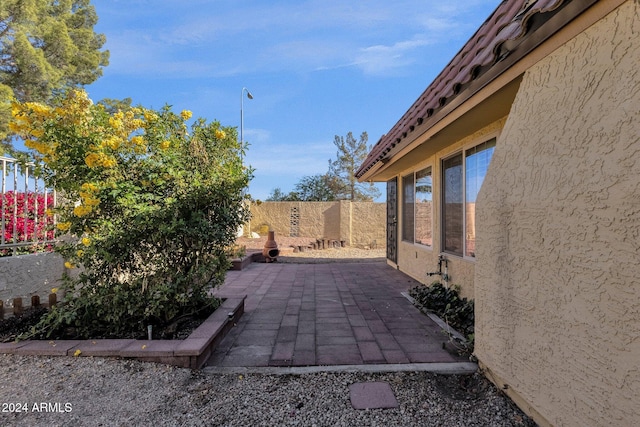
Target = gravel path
(109,392)
(84,391)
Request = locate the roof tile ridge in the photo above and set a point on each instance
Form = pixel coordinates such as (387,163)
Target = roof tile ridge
(509,25)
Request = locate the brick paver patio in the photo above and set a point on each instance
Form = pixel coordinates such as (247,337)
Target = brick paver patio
(327,314)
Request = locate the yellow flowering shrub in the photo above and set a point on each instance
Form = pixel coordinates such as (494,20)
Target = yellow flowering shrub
(63,226)
(186,115)
(82,210)
(150,208)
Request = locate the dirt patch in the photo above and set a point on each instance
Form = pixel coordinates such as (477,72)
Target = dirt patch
(282,241)
(180,328)
(463,387)
(13,326)
(313,256)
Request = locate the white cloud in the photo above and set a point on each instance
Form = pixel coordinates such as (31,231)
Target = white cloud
(224,39)
(381,59)
(257,137)
(304,55)
(439,25)
(137,53)
(297,159)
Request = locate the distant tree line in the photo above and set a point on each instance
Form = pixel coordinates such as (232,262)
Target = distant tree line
(339,182)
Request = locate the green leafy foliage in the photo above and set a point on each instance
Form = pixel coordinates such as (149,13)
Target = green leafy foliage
(46,46)
(149,209)
(339,182)
(448,305)
(314,188)
(351,153)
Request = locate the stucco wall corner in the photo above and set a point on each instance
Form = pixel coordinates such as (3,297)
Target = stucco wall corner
(558,219)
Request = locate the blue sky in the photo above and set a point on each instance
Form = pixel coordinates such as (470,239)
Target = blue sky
(315,68)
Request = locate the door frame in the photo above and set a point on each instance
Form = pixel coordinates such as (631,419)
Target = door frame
(392,220)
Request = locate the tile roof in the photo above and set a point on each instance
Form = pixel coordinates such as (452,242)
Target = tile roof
(508,22)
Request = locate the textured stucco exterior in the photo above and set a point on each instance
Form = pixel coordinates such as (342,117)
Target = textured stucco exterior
(557,284)
(357,223)
(27,275)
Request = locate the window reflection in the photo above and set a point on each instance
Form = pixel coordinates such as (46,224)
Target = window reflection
(476,165)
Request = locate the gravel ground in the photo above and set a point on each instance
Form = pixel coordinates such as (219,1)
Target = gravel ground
(346,254)
(84,391)
(109,392)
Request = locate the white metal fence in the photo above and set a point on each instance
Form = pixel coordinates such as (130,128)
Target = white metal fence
(27,222)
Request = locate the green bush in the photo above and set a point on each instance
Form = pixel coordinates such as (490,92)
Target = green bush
(149,209)
(448,305)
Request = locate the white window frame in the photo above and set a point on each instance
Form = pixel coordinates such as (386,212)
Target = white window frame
(463,153)
(403,206)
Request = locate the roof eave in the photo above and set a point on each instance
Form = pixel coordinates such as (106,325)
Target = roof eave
(513,52)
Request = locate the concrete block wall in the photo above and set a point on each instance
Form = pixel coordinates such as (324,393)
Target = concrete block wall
(26,275)
(357,223)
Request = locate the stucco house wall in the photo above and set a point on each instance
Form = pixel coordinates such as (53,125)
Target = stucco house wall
(417,260)
(557,279)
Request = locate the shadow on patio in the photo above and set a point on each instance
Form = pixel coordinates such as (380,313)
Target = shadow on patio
(331,313)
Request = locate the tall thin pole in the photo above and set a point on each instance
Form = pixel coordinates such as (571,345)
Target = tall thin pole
(242,144)
(242,117)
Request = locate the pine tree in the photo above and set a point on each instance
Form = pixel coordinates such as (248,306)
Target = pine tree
(46,46)
(350,155)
